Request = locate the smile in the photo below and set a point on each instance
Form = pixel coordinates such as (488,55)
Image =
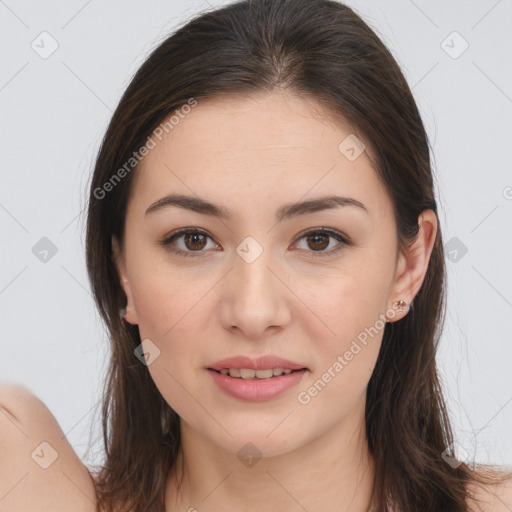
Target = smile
(247,385)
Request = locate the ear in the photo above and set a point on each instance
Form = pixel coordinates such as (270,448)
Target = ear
(119,261)
(412,263)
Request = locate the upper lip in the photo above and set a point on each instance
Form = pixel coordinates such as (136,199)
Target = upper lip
(260,363)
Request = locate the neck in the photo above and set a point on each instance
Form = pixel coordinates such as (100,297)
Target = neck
(332,472)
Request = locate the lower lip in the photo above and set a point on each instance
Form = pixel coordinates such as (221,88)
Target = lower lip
(256,390)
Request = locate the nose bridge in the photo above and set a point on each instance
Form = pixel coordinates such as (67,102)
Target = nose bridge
(252,274)
(253,300)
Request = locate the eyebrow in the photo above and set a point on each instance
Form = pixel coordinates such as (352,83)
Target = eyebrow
(204,207)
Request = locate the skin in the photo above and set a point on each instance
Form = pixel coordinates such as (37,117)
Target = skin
(253,155)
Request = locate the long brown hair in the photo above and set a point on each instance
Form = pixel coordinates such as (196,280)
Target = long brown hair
(322,50)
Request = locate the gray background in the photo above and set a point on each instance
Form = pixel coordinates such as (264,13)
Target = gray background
(54,111)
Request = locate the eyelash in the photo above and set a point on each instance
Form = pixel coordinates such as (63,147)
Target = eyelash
(344,241)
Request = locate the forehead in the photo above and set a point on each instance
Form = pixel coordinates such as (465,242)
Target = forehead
(257,147)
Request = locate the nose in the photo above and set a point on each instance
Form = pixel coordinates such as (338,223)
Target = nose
(255,297)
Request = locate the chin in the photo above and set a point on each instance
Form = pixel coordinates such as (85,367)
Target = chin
(257,442)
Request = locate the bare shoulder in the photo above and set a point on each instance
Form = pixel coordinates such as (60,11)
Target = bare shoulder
(495,497)
(39,470)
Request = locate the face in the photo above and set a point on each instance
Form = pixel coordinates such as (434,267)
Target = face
(306,286)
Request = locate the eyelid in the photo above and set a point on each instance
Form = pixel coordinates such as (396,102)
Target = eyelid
(343,240)
(327,231)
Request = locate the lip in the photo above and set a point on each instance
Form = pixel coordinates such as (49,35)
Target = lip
(260,363)
(256,390)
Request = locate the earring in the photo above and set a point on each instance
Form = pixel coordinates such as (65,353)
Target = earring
(122,312)
(401,305)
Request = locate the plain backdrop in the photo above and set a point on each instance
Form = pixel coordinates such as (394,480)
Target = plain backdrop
(63,69)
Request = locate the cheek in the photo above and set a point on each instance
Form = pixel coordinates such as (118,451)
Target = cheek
(355,329)
(351,303)
(170,311)
(344,361)
(165,298)
(351,297)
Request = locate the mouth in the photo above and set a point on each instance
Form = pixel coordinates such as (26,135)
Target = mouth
(256,385)
(251,374)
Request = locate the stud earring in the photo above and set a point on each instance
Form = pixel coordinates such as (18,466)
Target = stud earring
(122,312)
(401,305)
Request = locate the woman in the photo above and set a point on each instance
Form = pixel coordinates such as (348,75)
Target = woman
(264,248)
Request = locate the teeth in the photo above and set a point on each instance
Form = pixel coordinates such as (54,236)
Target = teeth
(247,373)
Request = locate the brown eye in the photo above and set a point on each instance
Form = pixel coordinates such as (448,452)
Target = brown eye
(193,242)
(318,241)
